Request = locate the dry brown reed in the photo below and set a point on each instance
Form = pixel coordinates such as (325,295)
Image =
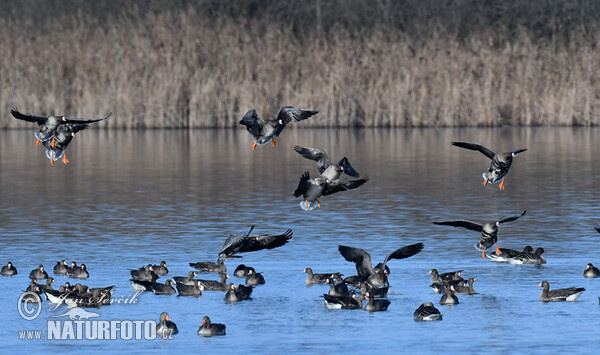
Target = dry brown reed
(361,64)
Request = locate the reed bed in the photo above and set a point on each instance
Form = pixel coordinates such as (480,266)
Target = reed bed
(158,64)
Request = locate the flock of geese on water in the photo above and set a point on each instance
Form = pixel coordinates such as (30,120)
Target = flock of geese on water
(370,283)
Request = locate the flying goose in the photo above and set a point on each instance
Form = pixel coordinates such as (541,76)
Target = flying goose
(244,242)
(312,189)
(265,130)
(501,162)
(49,124)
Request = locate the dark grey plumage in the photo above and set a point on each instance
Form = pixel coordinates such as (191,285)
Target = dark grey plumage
(499,166)
(194,290)
(507,254)
(208,329)
(326,168)
(39,273)
(244,243)
(61,267)
(79,273)
(427,312)
(376,305)
(144,274)
(161,269)
(254,278)
(62,138)
(241,271)
(163,289)
(337,290)
(591,271)
(264,131)
(343,302)
(9,269)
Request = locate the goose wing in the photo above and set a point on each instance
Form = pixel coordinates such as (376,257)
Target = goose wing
(476,146)
(289,114)
(464,224)
(359,257)
(253,123)
(29,118)
(317,154)
(342,185)
(513,218)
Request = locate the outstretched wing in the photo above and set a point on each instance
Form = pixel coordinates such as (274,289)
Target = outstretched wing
(360,258)
(404,252)
(465,224)
(476,146)
(319,155)
(29,118)
(597,228)
(232,242)
(513,218)
(74,127)
(303,185)
(343,185)
(348,169)
(265,241)
(253,123)
(288,114)
(85,120)
(518,151)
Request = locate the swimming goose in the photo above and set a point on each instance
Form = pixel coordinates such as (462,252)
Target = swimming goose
(8,270)
(39,273)
(165,327)
(312,189)
(462,289)
(244,242)
(79,273)
(326,169)
(535,258)
(449,298)
(337,290)
(241,271)
(264,131)
(591,271)
(501,162)
(145,274)
(185,280)
(61,267)
(209,266)
(343,302)
(489,231)
(507,254)
(320,278)
(194,290)
(427,312)
(255,278)
(161,269)
(163,289)
(237,293)
(208,329)
(376,305)
(558,295)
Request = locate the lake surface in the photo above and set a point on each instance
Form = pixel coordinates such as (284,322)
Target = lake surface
(129,198)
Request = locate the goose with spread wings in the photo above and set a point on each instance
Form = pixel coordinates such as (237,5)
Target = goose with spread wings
(244,242)
(49,124)
(501,162)
(264,131)
(312,189)
(489,231)
(326,168)
(364,267)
